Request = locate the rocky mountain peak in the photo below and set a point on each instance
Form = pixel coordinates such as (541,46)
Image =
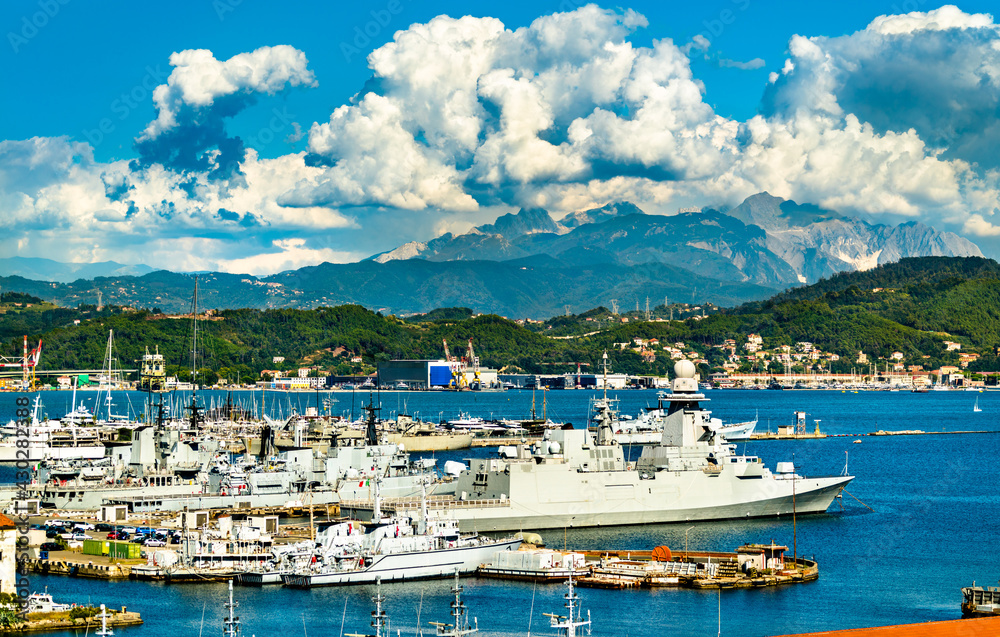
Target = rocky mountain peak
(526,221)
(599,215)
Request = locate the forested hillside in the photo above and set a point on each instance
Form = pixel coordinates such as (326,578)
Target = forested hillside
(911,307)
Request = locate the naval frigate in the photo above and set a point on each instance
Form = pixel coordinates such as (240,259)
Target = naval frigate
(574,478)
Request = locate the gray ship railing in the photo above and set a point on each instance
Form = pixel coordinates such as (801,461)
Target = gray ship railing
(433,502)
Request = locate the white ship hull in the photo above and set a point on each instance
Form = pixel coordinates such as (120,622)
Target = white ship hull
(259,578)
(395,567)
(738,431)
(735,431)
(91,498)
(37,452)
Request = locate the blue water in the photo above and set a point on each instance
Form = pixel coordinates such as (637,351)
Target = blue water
(934,529)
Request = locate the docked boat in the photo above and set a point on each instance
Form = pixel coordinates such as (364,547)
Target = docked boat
(647,429)
(43,603)
(535,565)
(418,435)
(42,439)
(573,478)
(980,601)
(737,430)
(396,549)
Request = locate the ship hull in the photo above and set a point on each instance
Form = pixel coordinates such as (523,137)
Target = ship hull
(9,453)
(443,442)
(396,567)
(258,578)
(624,498)
(91,498)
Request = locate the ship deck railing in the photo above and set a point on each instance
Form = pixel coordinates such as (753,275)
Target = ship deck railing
(434,502)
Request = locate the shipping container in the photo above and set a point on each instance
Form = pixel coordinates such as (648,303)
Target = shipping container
(96,547)
(125,550)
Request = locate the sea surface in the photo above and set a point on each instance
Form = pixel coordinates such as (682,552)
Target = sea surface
(933,526)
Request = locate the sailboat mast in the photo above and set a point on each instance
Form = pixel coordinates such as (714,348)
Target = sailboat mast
(194,339)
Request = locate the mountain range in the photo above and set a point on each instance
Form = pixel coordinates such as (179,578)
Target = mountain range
(765,240)
(529,264)
(48,270)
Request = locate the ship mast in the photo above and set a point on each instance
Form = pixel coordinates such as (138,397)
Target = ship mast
(194,408)
(380,621)
(461,626)
(104,631)
(231,624)
(574,619)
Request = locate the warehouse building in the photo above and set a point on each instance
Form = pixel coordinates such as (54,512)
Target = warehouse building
(436,374)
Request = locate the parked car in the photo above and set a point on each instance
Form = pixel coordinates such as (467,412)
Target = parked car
(50,546)
(83,526)
(155,542)
(104,527)
(128,529)
(52,534)
(80,537)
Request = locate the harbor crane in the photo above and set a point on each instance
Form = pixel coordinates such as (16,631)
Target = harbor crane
(26,363)
(474,361)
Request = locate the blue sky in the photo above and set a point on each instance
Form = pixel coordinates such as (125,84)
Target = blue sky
(76,184)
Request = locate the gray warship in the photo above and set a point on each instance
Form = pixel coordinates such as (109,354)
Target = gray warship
(575,478)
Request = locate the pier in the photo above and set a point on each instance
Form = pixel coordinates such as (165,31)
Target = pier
(881,432)
(46,622)
(750,566)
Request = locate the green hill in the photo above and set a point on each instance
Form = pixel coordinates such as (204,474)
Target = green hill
(910,307)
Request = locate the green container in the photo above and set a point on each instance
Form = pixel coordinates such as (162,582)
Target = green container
(96,547)
(125,550)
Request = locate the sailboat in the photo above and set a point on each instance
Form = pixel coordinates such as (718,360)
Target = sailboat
(976,407)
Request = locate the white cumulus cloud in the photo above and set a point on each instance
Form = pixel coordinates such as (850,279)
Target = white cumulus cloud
(198,79)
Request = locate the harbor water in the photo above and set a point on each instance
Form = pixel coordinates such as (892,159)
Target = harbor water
(932,529)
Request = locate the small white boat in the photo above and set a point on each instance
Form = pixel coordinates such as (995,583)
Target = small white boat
(43,603)
(976,407)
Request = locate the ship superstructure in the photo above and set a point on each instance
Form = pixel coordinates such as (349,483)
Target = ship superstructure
(578,478)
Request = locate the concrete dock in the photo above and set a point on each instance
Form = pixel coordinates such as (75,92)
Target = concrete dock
(46,622)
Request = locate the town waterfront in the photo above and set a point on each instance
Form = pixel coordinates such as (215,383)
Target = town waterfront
(932,531)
